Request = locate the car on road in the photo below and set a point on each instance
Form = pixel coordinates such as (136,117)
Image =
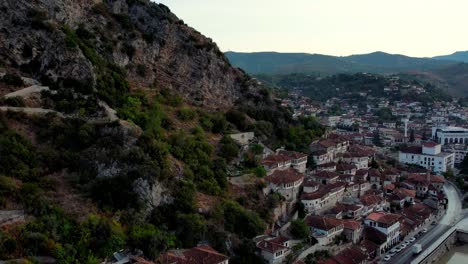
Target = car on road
(393,250)
(424,230)
(392,254)
(434,223)
(387,258)
(398,249)
(407,242)
(402,246)
(412,239)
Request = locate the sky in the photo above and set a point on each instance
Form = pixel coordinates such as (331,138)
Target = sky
(420,28)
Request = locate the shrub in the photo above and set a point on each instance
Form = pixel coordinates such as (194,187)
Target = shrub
(299,229)
(186,114)
(259,171)
(15,101)
(150,239)
(241,221)
(13,79)
(228,148)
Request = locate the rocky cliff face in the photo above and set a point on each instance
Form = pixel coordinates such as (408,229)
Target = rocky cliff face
(65,42)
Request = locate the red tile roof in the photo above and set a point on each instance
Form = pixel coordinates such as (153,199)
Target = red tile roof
(325,174)
(272,245)
(384,218)
(352,255)
(292,154)
(196,255)
(288,175)
(430,144)
(275,159)
(371,199)
(322,222)
(351,224)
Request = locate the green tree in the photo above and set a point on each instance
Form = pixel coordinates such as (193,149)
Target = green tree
(228,148)
(191,229)
(299,229)
(464,165)
(376,140)
(150,240)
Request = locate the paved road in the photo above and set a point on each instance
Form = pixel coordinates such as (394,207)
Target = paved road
(452,214)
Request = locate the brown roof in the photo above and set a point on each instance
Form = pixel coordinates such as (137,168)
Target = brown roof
(272,245)
(412,150)
(352,255)
(325,174)
(374,235)
(292,154)
(384,218)
(430,144)
(322,222)
(371,199)
(288,175)
(327,143)
(374,173)
(275,159)
(196,255)
(351,224)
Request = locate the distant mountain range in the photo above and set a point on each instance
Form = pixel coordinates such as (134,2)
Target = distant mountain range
(460,56)
(376,62)
(449,71)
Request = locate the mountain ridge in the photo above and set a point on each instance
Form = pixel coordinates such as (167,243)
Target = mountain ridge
(377,62)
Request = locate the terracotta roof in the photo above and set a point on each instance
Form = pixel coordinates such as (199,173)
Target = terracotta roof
(419,178)
(292,154)
(275,159)
(196,255)
(327,165)
(405,192)
(272,245)
(327,143)
(351,224)
(374,173)
(344,167)
(429,144)
(371,199)
(412,150)
(384,218)
(288,175)
(321,192)
(352,255)
(368,246)
(362,172)
(322,222)
(325,174)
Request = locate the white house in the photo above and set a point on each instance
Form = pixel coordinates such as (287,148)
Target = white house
(286,182)
(386,223)
(274,250)
(324,228)
(450,135)
(428,155)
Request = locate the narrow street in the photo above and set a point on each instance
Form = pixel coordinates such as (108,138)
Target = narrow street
(453,211)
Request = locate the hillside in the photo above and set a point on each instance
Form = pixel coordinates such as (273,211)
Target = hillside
(284,63)
(114,124)
(461,56)
(357,87)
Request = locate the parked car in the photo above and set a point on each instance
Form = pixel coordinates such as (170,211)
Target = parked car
(398,249)
(424,230)
(434,223)
(412,239)
(407,242)
(402,246)
(387,258)
(393,250)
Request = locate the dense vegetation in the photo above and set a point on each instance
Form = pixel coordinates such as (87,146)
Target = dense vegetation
(352,85)
(160,142)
